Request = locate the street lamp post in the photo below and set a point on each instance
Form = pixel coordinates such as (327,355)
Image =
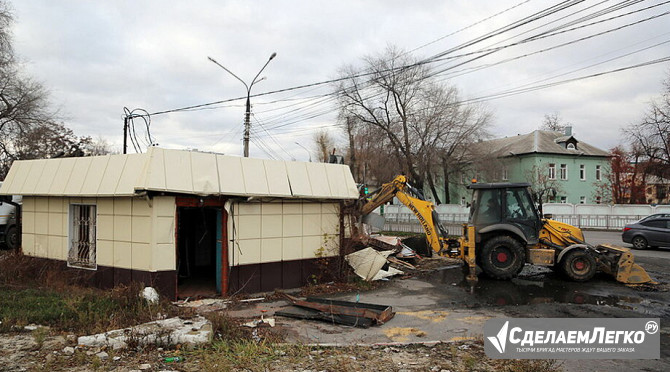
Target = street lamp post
(247,114)
(308,153)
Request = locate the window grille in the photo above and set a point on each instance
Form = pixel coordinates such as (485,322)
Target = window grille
(82,251)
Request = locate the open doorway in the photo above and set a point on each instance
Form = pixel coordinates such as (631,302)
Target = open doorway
(197,264)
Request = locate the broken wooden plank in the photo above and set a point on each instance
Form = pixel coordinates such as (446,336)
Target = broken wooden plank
(380,314)
(310,314)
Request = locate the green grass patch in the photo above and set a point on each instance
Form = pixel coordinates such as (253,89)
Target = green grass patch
(79,310)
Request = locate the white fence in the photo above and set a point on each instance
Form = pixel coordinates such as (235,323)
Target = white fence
(585,216)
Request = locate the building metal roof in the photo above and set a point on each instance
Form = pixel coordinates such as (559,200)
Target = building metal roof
(178,171)
(540,141)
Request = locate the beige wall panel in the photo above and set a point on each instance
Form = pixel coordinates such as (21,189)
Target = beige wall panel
(130,174)
(311,245)
(292,225)
(330,224)
(249,227)
(248,208)
(105,206)
(41,204)
(205,173)
(122,255)
(311,225)
(42,222)
(178,174)
(123,206)
(271,226)
(141,207)
(56,205)
(331,245)
(318,179)
(271,208)
(33,176)
(164,257)
(56,248)
(311,208)
(28,244)
(141,229)
(110,180)
(250,252)
(105,253)
(255,179)
(45,181)
(271,250)
(299,179)
(164,206)
(96,173)
(28,204)
(78,175)
(122,228)
(341,182)
(231,178)
(164,230)
(277,177)
(142,256)
(56,224)
(28,220)
(292,248)
(328,208)
(41,246)
(154,178)
(15,177)
(292,207)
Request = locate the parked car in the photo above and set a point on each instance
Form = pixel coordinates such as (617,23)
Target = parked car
(651,231)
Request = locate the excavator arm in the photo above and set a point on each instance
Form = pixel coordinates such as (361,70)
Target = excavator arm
(423,210)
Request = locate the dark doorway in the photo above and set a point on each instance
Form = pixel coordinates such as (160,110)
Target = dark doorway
(197,251)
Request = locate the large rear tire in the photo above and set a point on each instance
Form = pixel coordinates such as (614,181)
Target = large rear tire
(502,257)
(578,265)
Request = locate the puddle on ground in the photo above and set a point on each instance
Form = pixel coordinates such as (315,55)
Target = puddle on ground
(537,288)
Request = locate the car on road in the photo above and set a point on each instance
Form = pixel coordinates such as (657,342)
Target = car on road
(651,231)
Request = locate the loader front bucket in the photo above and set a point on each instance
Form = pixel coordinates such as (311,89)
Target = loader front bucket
(620,263)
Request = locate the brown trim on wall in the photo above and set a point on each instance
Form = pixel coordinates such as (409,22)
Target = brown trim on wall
(212,202)
(266,277)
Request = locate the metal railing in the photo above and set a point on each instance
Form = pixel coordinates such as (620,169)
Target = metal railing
(584,216)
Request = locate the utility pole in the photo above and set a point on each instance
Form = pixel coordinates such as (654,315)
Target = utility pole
(247,113)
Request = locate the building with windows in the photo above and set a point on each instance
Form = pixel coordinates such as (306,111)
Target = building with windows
(557,164)
(178,219)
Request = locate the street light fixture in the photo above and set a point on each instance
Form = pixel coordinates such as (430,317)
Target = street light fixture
(308,153)
(247,114)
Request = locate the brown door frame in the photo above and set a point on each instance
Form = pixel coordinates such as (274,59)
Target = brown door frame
(193,201)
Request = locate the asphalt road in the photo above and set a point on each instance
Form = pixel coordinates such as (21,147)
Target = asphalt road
(614,237)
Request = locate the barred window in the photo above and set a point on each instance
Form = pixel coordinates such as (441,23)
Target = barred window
(82,251)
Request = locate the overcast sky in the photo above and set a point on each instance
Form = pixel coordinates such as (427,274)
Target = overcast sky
(97,57)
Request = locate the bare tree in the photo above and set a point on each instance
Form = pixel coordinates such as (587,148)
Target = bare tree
(554,122)
(543,187)
(324,144)
(29,127)
(397,102)
(652,134)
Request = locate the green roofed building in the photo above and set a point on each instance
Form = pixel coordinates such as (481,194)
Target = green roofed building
(559,166)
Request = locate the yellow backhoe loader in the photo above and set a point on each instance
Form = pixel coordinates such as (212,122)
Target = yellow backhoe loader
(505,231)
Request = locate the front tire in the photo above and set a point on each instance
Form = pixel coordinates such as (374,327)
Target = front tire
(12,238)
(578,265)
(502,257)
(639,242)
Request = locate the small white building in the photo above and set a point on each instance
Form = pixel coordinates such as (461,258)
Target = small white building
(173,218)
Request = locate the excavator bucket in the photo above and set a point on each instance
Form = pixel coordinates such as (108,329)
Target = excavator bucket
(620,263)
